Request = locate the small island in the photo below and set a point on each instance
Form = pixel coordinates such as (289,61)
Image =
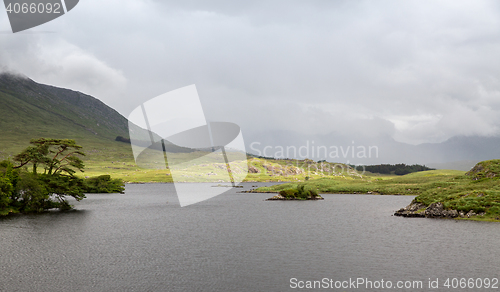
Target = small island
(298,194)
(43,175)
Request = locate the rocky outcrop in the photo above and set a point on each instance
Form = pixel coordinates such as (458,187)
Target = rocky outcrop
(412,210)
(434,210)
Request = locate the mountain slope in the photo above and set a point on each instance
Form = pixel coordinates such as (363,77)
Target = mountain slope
(31,110)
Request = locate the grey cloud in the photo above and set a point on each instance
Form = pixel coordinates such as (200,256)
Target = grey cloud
(52,60)
(414,70)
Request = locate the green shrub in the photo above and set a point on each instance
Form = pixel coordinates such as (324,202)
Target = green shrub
(6,190)
(288,193)
(104,184)
(299,193)
(493,210)
(31,193)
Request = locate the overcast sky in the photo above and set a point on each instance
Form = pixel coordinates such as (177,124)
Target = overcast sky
(419,71)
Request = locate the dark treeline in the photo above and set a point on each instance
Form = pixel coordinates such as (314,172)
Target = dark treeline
(43,175)
(397,169)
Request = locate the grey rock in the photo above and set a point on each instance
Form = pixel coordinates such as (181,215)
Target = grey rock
(435,210)
(470,214)
(415,207)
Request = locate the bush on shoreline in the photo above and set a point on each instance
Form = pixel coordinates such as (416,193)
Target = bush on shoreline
(103,184)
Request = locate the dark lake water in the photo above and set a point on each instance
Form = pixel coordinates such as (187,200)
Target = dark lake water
(143,241)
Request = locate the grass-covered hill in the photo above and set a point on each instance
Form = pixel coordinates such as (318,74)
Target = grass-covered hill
(32,110)
(485,169)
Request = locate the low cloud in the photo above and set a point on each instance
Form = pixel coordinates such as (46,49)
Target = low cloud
(53,61)
(414,71)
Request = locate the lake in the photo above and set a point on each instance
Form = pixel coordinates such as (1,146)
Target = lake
(144,241)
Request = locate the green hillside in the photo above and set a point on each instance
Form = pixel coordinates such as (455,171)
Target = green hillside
(32,110)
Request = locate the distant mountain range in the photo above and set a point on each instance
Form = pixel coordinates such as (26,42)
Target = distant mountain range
(32,110)
(460,152)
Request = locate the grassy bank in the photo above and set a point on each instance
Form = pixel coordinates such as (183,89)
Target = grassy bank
(410,184)
(478,192)
(260,170)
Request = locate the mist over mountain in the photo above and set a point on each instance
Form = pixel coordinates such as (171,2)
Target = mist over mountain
(459,152)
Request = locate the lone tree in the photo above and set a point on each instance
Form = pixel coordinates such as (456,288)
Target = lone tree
(60,159)
(59,156)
